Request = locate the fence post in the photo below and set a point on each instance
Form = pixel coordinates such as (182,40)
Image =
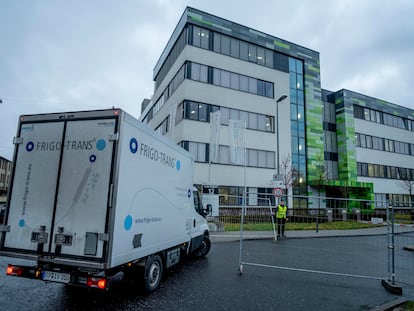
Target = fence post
(390,284)
(329,214)
(317,222)
(344,214)
(241,231)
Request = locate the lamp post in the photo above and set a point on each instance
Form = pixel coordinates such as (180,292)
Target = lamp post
(281,98)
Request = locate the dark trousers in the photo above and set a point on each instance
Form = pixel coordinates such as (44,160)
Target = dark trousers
(281,226)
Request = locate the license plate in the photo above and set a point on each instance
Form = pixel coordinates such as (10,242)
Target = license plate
(56,276)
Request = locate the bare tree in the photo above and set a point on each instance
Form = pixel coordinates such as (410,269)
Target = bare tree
(318,180)
(320,174)
(409,186)
(345,192)
(289,174)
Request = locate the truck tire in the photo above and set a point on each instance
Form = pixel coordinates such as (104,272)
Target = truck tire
(205,247)
(153,273)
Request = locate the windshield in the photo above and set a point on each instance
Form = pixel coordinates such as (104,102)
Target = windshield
(198,205)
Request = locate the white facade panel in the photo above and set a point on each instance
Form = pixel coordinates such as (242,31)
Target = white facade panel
(385,185)
(384,131)
(230,175)
(366,155)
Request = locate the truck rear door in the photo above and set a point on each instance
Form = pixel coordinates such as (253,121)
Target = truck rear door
(60,194)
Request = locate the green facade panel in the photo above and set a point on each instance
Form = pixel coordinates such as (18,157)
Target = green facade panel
(345,130)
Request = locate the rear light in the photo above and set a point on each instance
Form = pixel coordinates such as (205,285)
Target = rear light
(14,270)
(96,283)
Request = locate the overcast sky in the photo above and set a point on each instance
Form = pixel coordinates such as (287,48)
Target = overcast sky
(58,55)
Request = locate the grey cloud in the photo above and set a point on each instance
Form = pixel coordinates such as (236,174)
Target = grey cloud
(70,55)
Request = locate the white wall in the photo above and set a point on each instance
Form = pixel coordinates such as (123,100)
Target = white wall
(382,157)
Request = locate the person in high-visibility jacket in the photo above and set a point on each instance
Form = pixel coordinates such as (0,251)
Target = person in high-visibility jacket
(281,216)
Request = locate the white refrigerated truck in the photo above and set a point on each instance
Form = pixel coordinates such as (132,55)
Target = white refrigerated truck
(97,196)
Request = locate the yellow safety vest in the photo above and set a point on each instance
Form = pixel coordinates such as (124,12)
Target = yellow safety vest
(281,211)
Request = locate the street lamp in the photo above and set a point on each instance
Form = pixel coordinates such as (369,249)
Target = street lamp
(281,98)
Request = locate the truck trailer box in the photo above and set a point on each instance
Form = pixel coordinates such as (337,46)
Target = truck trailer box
(96,193)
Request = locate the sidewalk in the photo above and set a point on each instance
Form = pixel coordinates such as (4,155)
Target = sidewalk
(227,236)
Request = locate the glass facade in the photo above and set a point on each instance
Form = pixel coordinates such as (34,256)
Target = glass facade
(297,121)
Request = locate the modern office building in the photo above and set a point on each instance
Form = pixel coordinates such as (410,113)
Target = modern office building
(5,170)
(313,142)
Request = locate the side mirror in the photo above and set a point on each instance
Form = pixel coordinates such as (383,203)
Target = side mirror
(207,210)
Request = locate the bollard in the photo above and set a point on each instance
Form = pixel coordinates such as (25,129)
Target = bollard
(329,213)
(358,214)
(344,214)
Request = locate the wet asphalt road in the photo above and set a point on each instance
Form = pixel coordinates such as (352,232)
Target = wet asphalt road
(211,283)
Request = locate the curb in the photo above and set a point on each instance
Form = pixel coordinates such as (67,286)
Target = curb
(390,305)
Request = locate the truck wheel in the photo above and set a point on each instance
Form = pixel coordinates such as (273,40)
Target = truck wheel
(205,247)
(153,273)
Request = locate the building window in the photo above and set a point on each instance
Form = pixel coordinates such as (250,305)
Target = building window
(198,72)
(231,80)
(244,51)
(201,112)
(234,48)
(201,37)
(192,112)
(164,126)
(198,150)
(382,144)
(384,171)
(179,116)
(225,45)
(240,49)
(383,118)
(297,122)
(169,90)
(172,57)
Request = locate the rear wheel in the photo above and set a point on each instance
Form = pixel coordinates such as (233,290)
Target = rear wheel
(153,273)
(205,247)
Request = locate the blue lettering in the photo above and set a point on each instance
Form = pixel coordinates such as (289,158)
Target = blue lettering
(152,153)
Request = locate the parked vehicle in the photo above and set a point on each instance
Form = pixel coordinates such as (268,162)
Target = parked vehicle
(97,196)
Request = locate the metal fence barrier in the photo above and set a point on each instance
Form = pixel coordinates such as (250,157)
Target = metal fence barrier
(382,251)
